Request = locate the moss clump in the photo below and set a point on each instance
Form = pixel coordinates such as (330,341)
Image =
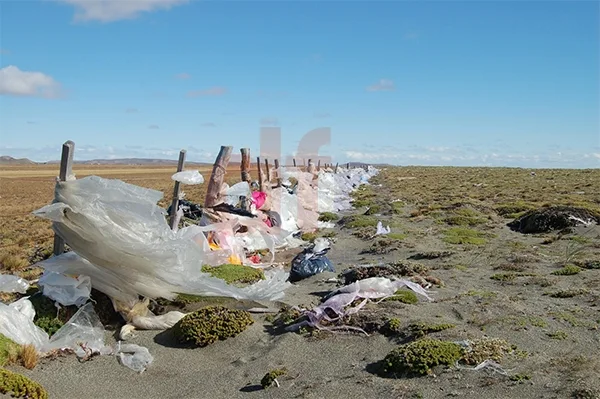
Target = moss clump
(419,330)
(328,217)
(47,316)
(19,386)
(358,221)
(392,326)
(362,196)
(404,296)
(270,378)
(459,235)
(285,317)
(382,245)
(396,236)
(568,270)
(510,209)
(520,378)
(9,350)
(419,357)
(211,324)
(465,217)
(568,293)
(504,276)
(329,234)
(235,274)
(486,348)
(309,236)
(558,335)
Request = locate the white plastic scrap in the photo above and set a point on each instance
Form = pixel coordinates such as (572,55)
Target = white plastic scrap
(64,289)
(134,356)
(150,322)
(190,177)
(16,323)
(367,289)
(121,240)
(381,229)
(10,283)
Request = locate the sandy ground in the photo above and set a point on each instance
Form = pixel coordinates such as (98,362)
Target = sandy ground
(341,365)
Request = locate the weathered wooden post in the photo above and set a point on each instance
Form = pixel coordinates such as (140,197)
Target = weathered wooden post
(217,176)
(66,170)
(294,160)
(176,191)
(318,165)
(278,172)
(348,165)
(268,170)
(245,165)
(336,167)
(260,174)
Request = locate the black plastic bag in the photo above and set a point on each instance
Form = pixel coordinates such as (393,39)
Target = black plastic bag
(310,262)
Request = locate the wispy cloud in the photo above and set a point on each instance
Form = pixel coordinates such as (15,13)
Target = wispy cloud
(382,85)
(114,10)
(269,121)
(322,115)
(208,124)
(31,122)
(213,91)
(154,127)
(182,76)
(131,110)
(411,36)
(14,82)
(4,51)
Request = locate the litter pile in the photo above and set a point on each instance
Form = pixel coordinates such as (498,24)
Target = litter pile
(121,245)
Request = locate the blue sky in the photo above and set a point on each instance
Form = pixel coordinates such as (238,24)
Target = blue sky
(508,83)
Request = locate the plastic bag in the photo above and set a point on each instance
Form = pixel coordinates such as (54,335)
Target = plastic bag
(190,177)
(66,290)
(311,261)
(134,356)
(10,283)
(232,194)
(83,333)
(381,229)
(16,323)
(121,240)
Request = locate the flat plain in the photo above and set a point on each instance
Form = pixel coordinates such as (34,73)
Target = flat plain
(532,299)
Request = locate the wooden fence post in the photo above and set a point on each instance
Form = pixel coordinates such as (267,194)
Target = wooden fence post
(348,165)
(268,171)
(319,165)
(176,191)
(217,176)
(278,172)
(294,160)
(66,170)
(336,167)
(245,165)
(260,174)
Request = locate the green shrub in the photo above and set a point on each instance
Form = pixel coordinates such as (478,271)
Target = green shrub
(459,235)
(210,325)
(269,379)
(19,386)
(235,273)
(328,217)
(419,357)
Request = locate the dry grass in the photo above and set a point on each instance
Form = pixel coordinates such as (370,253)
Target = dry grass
(26,239)
(29,356)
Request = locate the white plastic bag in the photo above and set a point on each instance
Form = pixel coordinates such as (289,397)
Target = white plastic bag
(65,290)
(10,283)
(190,177)
(134,356)
(232,194)
(83,333)
(381,229)
(16,323)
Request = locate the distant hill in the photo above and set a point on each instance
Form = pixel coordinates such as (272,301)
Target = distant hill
(6,160)
(131,161)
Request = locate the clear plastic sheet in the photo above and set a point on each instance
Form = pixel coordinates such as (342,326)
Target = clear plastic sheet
(10,283)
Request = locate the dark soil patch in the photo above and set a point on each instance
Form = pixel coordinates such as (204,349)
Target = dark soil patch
(553,218)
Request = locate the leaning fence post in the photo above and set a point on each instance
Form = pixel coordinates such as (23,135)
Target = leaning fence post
(268,171)
(294,160)
(278,172)
(66,170)
(176,191)
(260,174)
(217,176)
(245,165)
(336,167)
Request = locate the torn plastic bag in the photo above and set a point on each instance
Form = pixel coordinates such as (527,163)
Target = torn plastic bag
(66,290)
(127,245)
(16,323)
(83,333)
(311,261)
(231,195)
(190,177)
(10,283)
(381,229)
(134,356)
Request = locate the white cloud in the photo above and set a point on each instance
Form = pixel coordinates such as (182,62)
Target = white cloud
(154,127)
(209,124)
(382,85)
(14,82)
(213,91)
(183,76)
(131,110)
(114,10)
